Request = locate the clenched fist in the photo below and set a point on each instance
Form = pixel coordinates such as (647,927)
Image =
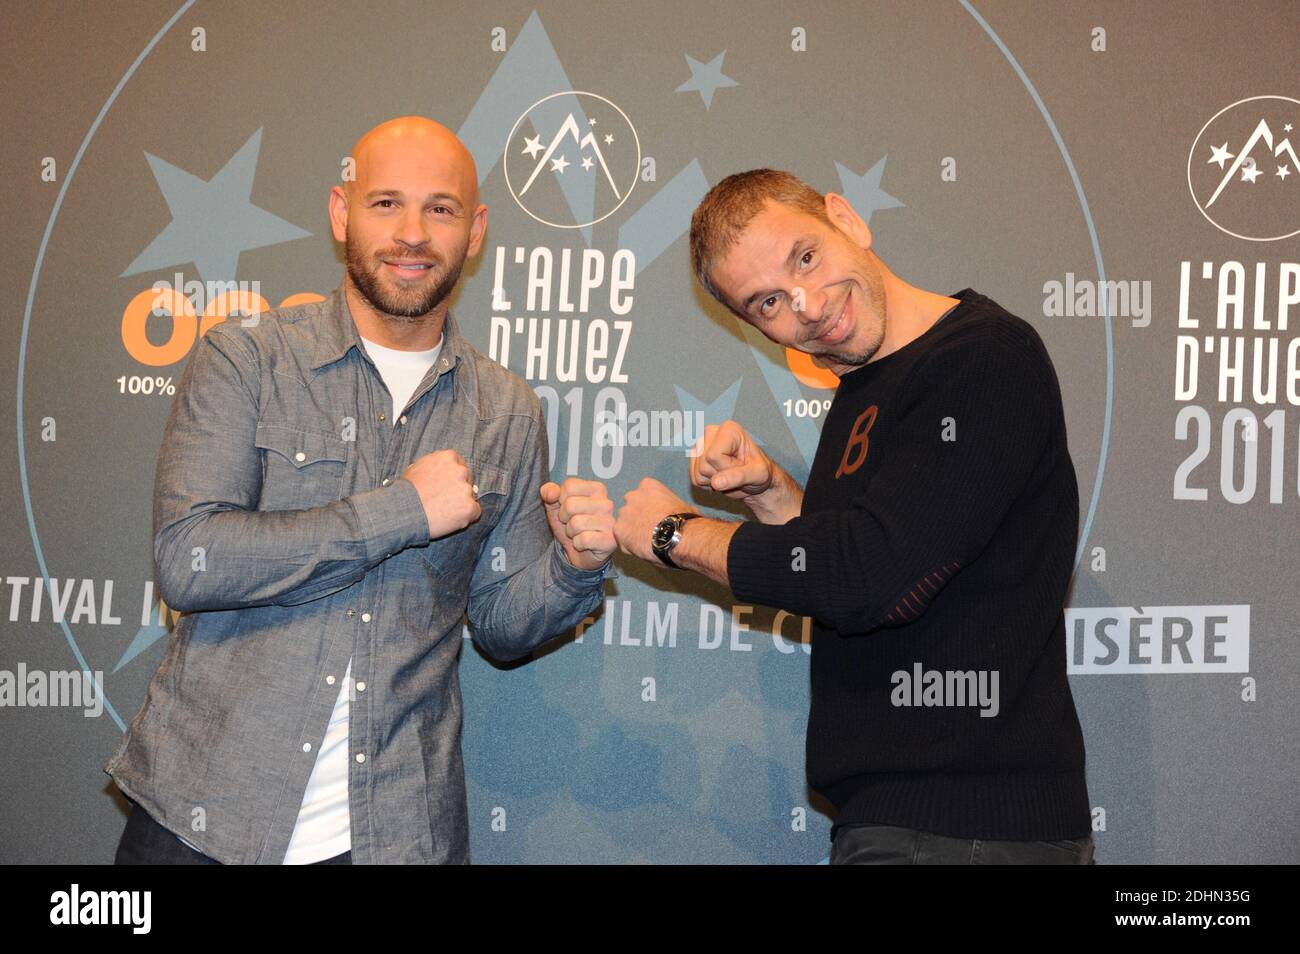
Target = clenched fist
(581,516)
(446,489)
(727,460)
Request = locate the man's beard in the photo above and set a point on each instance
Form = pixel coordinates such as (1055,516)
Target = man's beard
(399,303)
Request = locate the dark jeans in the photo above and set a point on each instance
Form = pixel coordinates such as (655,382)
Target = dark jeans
(145,842)
(892,845)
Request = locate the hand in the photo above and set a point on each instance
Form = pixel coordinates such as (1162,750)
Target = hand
(581,516)
(446,490)
(727,460)
(642,510)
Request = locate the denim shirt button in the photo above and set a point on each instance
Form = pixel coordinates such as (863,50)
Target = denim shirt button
(306,746)
(361,756)
(361,687)
(365,617)
(329,680)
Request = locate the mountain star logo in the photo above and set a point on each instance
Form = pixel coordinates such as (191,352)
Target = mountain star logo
(1242,169)
(580,164)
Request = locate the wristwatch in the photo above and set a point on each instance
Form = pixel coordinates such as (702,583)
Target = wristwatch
(667,534)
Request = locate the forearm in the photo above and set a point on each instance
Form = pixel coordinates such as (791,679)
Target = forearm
(228,558)
(703,547)
(853,570)
(781,503)
(545,598)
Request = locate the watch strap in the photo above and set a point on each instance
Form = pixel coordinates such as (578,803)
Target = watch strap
(662,553)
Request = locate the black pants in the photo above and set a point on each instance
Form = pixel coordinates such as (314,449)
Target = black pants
(892,845)
(145,842)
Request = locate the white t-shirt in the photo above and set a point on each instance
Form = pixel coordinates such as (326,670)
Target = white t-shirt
(324,828)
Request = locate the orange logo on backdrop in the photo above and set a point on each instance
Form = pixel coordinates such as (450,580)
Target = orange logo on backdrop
(802,367)
(187,327)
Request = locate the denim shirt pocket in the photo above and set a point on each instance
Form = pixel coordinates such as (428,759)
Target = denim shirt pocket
(453,557)
(300,469)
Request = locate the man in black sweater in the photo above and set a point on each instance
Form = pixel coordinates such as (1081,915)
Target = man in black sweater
(933,547)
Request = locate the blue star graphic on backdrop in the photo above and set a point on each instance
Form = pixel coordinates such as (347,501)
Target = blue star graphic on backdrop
(144,638)
(706,78)
(864,192)
(722,408)
(212,222)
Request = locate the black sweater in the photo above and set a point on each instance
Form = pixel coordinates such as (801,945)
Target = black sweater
(938,532)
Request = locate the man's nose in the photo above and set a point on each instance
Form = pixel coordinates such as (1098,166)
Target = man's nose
(813,302)
(412,230)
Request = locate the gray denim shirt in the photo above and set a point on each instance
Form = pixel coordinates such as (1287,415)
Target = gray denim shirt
(285,535)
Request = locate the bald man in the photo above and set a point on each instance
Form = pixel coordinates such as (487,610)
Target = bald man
(339,484)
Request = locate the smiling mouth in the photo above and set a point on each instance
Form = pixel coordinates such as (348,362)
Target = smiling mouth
(408,268)
(837,328)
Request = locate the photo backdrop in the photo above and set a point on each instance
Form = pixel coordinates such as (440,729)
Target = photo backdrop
(1120,175)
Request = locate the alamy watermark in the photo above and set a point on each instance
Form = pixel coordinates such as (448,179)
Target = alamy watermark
(74,688)
(946,687)
(75,906)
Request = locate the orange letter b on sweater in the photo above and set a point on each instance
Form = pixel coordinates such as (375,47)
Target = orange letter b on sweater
(855,451)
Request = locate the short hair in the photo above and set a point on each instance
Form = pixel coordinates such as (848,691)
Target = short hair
(729,207)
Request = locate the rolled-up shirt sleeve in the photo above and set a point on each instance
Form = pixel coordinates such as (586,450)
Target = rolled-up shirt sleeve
(538,594)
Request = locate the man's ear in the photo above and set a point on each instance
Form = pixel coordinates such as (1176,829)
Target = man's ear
(476,231)
(847,221)
(338,205)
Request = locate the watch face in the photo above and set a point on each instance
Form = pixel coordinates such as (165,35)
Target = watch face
(664,530)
